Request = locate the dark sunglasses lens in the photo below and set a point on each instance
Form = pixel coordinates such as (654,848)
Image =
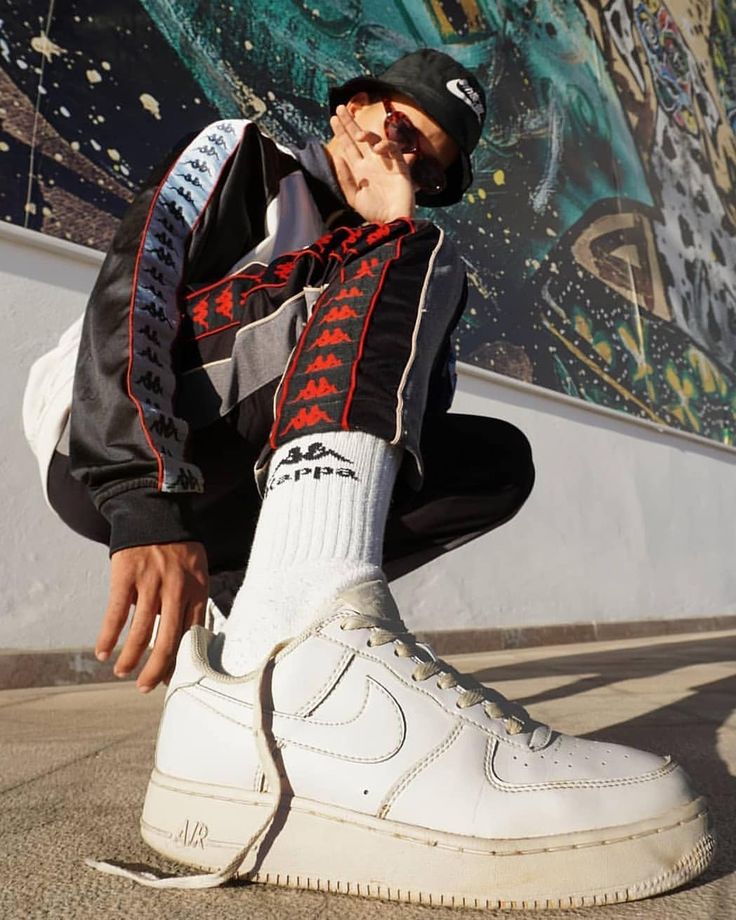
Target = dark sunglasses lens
(399,130)
(429,175)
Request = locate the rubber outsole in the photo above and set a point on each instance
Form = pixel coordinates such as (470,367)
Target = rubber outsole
(329,849)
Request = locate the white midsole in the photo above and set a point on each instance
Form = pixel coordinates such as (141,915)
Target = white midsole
(203,825)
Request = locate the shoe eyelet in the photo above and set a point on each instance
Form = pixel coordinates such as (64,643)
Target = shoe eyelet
(369,643)
(396,652)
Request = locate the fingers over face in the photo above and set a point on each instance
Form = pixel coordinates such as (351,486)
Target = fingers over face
(347,132)
(351,134)
(388,150)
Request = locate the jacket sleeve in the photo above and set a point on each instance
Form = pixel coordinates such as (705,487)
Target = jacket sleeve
(127,443)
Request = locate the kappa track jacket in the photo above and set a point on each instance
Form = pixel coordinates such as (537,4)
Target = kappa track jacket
(228,197)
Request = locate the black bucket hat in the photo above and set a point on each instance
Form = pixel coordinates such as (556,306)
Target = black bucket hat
(447,92)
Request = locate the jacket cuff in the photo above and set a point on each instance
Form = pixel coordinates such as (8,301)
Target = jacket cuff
(140,517)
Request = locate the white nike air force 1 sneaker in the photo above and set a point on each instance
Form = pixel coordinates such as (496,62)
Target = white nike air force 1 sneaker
(355,761)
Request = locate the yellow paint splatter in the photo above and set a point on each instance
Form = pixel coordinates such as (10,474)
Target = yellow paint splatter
(583,327)
(113,154)
(150,104)
(482,194)
(106,65)
(4,147)
(43,45)
(30,208)
(604,350)
(94,76)
(499,177)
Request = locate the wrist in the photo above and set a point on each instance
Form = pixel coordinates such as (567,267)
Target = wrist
(399,210)
(401,214)
(148,517)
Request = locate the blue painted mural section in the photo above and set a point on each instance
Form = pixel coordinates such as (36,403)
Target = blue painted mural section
(599,237)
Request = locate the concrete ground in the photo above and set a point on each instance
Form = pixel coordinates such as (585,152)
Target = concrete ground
(74,764)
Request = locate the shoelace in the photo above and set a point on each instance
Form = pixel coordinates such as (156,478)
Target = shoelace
(470,691)
(273,778)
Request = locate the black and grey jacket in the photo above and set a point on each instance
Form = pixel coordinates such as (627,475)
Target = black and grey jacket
(228,197)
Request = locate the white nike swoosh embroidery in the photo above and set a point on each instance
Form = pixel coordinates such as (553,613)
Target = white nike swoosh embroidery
(372,734)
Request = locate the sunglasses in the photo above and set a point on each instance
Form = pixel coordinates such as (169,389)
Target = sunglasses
(426,171)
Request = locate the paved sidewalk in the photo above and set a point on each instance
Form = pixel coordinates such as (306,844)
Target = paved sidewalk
(74,764)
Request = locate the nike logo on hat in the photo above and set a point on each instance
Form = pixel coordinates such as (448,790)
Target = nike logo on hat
(463,90)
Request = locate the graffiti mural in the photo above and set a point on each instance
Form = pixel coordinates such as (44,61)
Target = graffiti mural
(599,237)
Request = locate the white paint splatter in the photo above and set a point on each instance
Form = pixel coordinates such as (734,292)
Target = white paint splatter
(43,45)
(150,104)
(64,111)
(113,154)
(94,76)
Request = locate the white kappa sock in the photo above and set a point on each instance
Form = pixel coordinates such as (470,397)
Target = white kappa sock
(320,531)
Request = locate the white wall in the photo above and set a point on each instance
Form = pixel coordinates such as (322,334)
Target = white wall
(625,522)
(53,582)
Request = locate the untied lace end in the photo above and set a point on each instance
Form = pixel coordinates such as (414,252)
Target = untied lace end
(215,879)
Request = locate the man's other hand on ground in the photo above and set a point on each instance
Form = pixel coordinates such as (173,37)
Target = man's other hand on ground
(169,579)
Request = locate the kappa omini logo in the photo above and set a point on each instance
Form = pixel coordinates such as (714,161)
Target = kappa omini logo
(470,96)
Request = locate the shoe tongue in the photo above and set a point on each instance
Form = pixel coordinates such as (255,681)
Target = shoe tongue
(372,598)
